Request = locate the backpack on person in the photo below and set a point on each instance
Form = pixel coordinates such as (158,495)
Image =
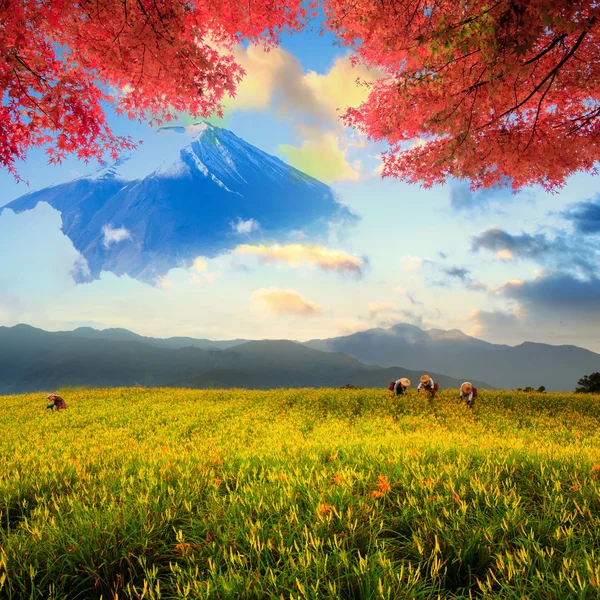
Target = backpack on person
(391,386)
(474,392)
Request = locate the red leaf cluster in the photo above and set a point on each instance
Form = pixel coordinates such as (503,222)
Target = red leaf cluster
(495,91)
(63,60)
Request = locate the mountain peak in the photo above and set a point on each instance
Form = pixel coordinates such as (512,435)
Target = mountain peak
(185,208)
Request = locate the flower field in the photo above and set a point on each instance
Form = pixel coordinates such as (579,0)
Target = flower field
(168,493)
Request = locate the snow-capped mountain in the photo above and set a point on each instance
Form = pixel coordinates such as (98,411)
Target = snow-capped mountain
(214,193)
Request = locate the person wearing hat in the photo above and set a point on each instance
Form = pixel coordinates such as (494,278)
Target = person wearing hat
(401,385)
(56,402)
(468,393)
(428,384)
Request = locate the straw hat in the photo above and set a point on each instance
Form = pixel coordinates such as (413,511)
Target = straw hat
(425,378)
(404,382)
(49,396)
(467,388)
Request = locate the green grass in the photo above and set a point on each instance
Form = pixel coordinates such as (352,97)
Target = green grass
(134,493)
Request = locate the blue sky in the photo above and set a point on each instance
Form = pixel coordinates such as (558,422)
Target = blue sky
(506,268)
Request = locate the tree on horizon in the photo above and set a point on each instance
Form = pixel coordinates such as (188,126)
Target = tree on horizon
(590,384)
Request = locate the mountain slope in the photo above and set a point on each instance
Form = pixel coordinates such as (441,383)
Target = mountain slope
(123,335)
(35,360)
(453,352)
(187,207)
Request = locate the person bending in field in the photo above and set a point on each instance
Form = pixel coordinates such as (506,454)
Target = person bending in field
(401,385)
(428,385)
(56,402)
(468,393)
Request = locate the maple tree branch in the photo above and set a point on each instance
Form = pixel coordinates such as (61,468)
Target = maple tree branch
(28,68)
(336,24)
(122,26)
(34,102)
(455,60)
(466,134)
(465,96)
(412,17)
(585,120)
(152,26)
(142,66)
(590,114)
(548,48)
(539,108)
(552,73)
(171,41)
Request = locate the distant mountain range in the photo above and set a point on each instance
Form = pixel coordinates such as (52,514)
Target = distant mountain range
(187,207)
(450,352)
(453,352)
(35,360)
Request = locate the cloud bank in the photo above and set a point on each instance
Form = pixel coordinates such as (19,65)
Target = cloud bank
(295,255)
(585,216)
(275,81)
(563,252)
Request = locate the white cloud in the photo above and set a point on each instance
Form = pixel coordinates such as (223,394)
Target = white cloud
(199,264)
(80,269)
(412,263)
(322,156)
(505,254)
(245,227)
(164,283)
(275,81)
(114,236)
(202,279)
(295,255)
(280,302)
(338,88)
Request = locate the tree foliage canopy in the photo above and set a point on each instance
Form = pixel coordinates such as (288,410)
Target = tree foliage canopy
(61,59)
(491,90)
(494,91)
(590,384)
